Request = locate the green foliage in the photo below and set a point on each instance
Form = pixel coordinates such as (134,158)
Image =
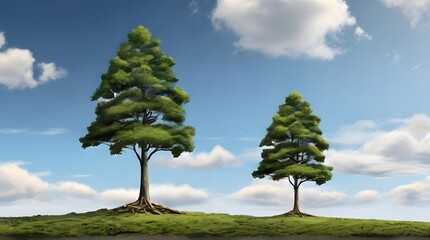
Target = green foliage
(294,145)
(105,222)
(139,105)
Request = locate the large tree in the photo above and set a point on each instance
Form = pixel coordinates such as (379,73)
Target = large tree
(139,108)
(293,148)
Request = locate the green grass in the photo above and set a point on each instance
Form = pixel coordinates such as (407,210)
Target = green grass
(105,222)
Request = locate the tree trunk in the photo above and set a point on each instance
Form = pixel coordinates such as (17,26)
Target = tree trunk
(296,199)
(296,207)
(144,180)
(143,203)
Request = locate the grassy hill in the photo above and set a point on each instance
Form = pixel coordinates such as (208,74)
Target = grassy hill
(106,222)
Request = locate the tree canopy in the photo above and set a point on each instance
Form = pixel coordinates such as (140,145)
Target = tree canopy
(138,101)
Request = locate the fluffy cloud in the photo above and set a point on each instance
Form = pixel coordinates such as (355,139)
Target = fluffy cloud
(119,196)
(168,194)
(75,189)
(359,33)
(2,39)
(17,183)
(180,195)
(50,72)
(267,193)
(417,192)
(292,28)
(356,133)
(215,158)
(367,196)
(401,151)
(16,68)
(417,12)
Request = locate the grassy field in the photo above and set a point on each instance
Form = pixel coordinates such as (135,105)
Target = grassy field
(105,222)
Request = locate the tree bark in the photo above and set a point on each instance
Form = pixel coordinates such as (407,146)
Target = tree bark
(144,179)
(296,208)
(296,199)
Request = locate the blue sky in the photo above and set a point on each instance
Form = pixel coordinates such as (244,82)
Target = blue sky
(362,65)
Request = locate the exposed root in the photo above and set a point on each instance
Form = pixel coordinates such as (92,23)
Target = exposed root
(146,207)
(297,214)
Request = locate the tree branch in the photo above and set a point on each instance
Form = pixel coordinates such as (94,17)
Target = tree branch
(289,180)
(148,114)
(302,181)
(152,153)
(137,154)
(157,149)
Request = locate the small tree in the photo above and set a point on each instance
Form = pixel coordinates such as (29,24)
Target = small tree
(294,148)
(140,109)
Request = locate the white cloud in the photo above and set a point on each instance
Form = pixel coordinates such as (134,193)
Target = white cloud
(166,194)
(75,189)
(367,196)
(193,6)
(2,39)
(16,68)
(267,193)
(403,150)
(264,193)
(416,11)
(218,157)
(417,192)
(120,196)
(177,195)
(277,28)
(394,56)
(49,131)
(316,198)
(358,162)
(79,197)
(17,183)
(50,72)
(359,33)
(418,125)
(356,133)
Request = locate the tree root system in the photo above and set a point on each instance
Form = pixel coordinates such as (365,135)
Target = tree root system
(297,214)
(146,207)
